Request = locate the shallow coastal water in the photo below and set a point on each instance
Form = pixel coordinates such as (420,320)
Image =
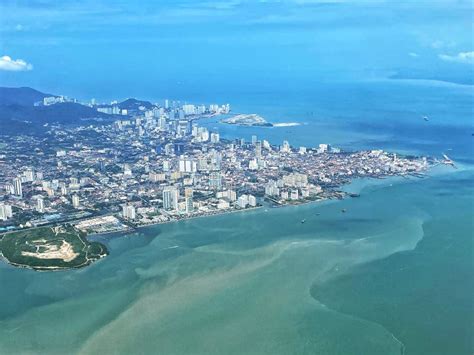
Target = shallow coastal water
(392,275)
(262,282)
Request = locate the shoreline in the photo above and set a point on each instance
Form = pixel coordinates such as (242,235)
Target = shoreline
(187,218)
(345,192)
(370,181)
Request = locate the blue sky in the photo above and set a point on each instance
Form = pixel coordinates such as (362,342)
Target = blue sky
(106,49)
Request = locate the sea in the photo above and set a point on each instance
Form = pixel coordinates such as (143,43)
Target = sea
(391,275)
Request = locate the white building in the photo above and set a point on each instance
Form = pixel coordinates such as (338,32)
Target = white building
(40,205)
(170,198)
(243,201)
(285,148)
(5,212)
(252,201)
(294,195)
(128,212)
(323,148)
(17,187)
(189,204)
(215,138)
(223,204)
(75,201)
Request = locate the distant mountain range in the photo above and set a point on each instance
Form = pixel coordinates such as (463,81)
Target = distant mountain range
(19,115)
(23,96)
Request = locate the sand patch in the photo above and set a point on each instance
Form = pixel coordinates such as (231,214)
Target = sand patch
(64,252)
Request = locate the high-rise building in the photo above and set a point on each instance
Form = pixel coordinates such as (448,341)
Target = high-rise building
(162,123)
(5,212)
(285,148)
(9,189)
(189,110)
(252,201)
(17,187)
(215,138)
(75,201)
(243,201)
(215,180)
(189,204)
(128,212)
(187,165)
(271,189)
(29,175)
(258,149)
(40,205)
(254,139)
(188,192)
(323,148)
(170,198)
(294,195)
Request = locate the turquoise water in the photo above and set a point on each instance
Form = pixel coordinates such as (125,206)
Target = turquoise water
(392,275)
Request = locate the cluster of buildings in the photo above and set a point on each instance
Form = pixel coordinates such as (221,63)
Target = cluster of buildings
(160,165)
(173,110)
(52,100)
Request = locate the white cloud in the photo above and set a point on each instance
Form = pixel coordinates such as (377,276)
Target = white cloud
(438,44)
(462,57)
(413,54)
(9,64)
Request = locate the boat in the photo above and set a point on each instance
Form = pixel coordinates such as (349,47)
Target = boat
(303,220)
(343,210)
(426,118)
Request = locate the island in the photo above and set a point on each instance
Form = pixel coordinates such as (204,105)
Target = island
(247,120)
(50,248)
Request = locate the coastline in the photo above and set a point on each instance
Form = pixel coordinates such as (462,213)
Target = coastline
(345,189)
(354,186)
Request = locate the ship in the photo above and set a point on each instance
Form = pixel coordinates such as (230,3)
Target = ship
(448,161)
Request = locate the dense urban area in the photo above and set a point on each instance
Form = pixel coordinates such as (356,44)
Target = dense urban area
(152,163)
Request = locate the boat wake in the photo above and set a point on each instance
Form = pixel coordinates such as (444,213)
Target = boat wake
(286,124)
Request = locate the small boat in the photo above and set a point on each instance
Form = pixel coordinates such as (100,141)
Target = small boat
(318,214)
(426,118)
(303,220)
(343,210)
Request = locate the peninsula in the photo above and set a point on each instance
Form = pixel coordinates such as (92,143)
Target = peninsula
(50,248)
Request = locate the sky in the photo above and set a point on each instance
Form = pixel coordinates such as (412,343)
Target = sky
(105,49)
